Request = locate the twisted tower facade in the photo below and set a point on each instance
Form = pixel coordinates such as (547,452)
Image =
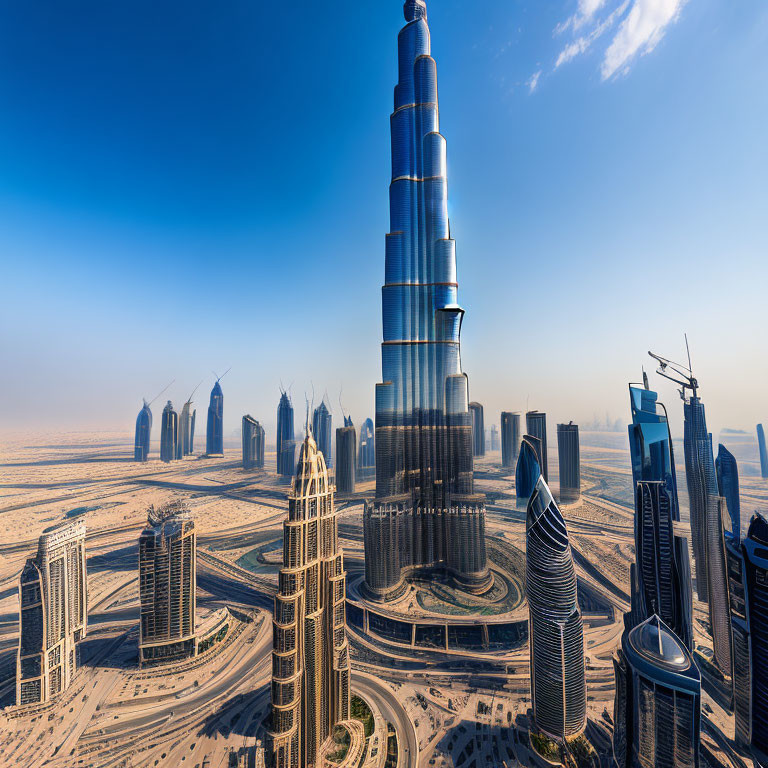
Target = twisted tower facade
(310,657)
(426,514)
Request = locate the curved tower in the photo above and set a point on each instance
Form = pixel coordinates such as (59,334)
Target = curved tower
(556,632)
(143,431)
(310,656)
(214,439)
(169,434)
(527,470)
(426,515)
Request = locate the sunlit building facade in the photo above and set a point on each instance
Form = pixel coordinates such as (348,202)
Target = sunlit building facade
(53,614)
(214,438)
(310,655)
(167,585)
(186,444)
(286,446)
(556,632)
(426,515)
(169,434)
(536,426)
(510,438)
(657,711)
(143,432)
(478,429)
(253,443)
(569,460)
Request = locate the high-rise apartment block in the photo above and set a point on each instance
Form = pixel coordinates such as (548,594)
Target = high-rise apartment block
(53,613)
(510,438)
(187,430)
(167,585)
(569,458)
(253,443)
(310,656)
(169,434)
(286,447)
(426,516)
(536,426)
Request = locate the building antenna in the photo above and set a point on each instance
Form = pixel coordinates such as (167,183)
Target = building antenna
(341,405)
(219,378)
(189,399)
(306,422)
(677,372)
(158,394)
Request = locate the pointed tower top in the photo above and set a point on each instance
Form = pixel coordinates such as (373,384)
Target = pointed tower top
(415,9)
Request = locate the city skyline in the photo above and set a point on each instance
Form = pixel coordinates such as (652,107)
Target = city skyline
(86,247)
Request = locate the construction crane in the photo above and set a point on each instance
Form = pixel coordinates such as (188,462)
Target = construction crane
(678,372)
(157,395)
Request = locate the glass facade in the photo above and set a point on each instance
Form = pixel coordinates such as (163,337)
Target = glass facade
(556,632)
(143,431)
(728,486)
(214,439)
(478,429)
(528,470)
(763,451)
(322,431)
(286,448)
(510,438)
(424,483)
(186,430)
(346,450)
(253,443)
(536,426)
(169,434)
(569,459)
(366,457)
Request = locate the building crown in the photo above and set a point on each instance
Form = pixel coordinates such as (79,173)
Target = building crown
(415,9)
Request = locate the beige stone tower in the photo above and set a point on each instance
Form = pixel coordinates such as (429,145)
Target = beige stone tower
(310,658)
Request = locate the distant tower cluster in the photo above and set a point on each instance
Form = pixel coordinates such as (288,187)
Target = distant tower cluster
(763,451)
(536,426)
(556,632)
(310,657)
(322,431)
(286,448)
(346,454)
(253,443)
(569,457)
(169,434)
(167,585)
(478,429)
(214,437)
(366,450)
(495,444)
(53,617)
(510,438)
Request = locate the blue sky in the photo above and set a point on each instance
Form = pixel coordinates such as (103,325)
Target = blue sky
(186,187)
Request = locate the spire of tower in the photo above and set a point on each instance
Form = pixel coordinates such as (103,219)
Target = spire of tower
(415,9)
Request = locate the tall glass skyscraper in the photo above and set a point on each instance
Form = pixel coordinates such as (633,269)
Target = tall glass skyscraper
(322,431)
(143,431)
(556,632)
(763,451)
(345,459)
(253,443)
(366,456)
(187,429)
(286,449)
(214,439)
(663,575)
(536,426)
(569,459)
(478,429)
(510,438)
(728,486)
(528,470)
(169,434)
(657,714)
(426,514)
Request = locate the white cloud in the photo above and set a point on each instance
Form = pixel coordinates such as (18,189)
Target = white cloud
(533,82)
(581,44)
(586,10)
(639,33)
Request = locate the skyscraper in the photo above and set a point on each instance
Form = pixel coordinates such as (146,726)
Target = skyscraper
(495,445)
(169,433)
(54,613)
(528,470)
(322,431)
(763,451)
(510,438)
(345,459)
(658,700)
(478,429)
(143,431)
(556,632)
(536,426)
(426,514)
(366,456)
(310,656)
(167,585)
(728,486)
(187,429)
(253,443)
(214,438)
(286,449)
(569,458)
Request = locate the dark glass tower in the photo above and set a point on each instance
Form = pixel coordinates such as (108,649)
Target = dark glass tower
(366,456)
(556,632)
(663,574)
(426,514)
(322,431)
(569,458)
(536,426)
(186,429)
(763,451)
(657,713)
(510,438)
(143,431)
(478,429)
(286,449)
(253,443)
(169,433)
(214,439)
(346,449)
(528,470)
(728,487)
